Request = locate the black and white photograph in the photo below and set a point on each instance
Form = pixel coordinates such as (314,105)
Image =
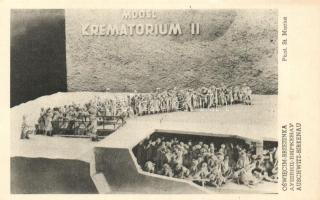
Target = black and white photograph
(144,101)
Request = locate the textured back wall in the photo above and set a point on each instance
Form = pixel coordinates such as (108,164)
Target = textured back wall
(234,47)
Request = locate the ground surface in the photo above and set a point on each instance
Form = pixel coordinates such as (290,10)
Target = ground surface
(256,121)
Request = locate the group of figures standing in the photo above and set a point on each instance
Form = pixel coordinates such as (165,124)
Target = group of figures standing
(189,99)
(84,119)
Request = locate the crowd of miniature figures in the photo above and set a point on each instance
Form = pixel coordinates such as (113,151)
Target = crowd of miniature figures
(137,104)
(204,163)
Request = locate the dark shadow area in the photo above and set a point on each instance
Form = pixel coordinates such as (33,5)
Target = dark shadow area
(269,144)
(38,54)
(196,138)
(50,176)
